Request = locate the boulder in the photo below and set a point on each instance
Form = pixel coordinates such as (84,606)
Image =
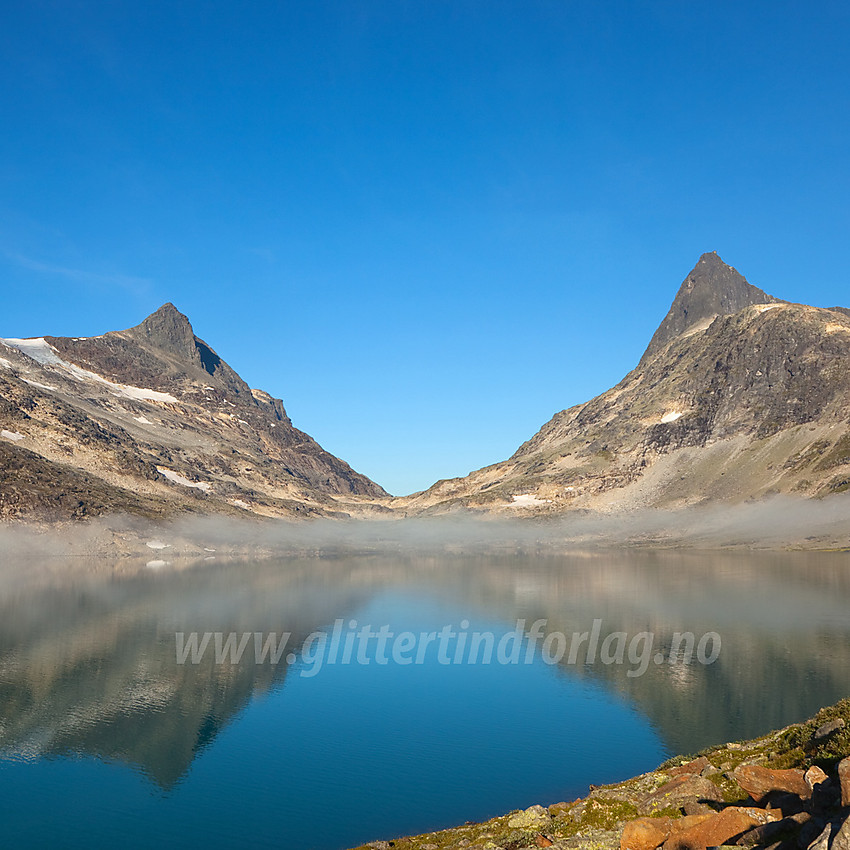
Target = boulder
(719,829)
(828,729)
(759,781)
(679,791)
(531,819)
(822,841)
(814,776)
(649,833)
(841,841)
(645,833)
(692,807)
(692,767)
(844,778)
(773,831)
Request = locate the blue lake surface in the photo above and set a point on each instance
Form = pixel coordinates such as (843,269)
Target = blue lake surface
(105,740)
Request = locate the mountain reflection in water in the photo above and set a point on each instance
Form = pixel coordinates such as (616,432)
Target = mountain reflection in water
(88,666)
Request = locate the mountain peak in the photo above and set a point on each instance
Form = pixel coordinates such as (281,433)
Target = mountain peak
(712,289)
(169,330)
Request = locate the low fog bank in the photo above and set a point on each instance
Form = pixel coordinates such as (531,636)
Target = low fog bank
(780,522)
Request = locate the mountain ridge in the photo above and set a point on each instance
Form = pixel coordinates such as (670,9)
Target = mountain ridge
(156,422)
(728,403)
(739,395)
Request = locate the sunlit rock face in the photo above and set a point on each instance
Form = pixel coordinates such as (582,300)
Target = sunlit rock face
(738,396)
(152,421)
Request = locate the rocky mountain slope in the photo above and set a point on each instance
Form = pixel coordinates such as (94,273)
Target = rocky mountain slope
(739,395)
(152,421)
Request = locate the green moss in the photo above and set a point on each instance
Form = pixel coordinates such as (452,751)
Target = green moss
(597,813)
(676,761)
(673,812)
(729,790)
(795,747)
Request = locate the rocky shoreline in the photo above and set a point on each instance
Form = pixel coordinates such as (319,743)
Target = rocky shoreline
(787,790)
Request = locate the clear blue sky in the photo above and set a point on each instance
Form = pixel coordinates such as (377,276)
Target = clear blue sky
(427,226)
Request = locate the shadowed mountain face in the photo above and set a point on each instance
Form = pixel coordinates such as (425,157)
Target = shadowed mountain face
(739,395)
(151,420)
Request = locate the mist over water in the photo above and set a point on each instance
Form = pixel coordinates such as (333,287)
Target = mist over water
(771,523)
(92,696)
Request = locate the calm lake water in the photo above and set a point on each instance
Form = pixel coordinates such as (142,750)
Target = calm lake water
(106,740)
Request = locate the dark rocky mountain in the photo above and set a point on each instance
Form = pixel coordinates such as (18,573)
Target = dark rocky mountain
(738,396)
(712,289)
(151,420)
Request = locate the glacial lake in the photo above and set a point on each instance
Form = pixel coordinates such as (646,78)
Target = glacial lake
(108,740)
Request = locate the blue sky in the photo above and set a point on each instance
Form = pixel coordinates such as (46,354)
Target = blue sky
(427,226)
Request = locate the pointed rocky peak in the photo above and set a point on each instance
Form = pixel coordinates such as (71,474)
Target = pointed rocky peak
(168,330)
(712,289)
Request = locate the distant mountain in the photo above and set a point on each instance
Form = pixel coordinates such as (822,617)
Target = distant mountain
(152,421)
(738,395)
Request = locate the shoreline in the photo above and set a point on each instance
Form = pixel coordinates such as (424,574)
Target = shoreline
(789,788)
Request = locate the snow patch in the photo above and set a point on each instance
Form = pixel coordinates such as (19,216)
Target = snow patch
(527,500)
(5,363)
(143,419)
(38,349)
(763,308)
(46,355)
(140,394)
(40,386)
(157,544)
(238,503)
(14,436)
(672,416)
(177,478)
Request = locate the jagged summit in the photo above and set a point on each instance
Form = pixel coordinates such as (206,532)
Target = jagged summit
(151,420)
(712,289)
(169,330)
(740,396)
